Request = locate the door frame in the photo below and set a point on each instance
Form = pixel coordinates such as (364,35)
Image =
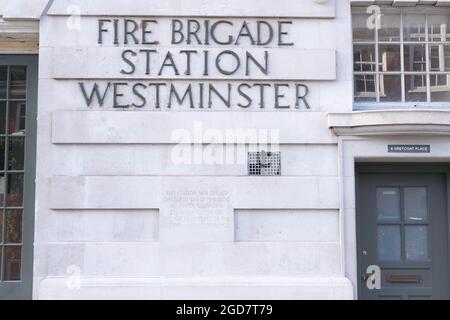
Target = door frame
(394,168)
(24,290)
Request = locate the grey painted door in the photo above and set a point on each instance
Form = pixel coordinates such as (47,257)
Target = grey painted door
(402,227)
(18,96)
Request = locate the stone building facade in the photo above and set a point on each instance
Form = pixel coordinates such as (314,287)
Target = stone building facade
(211,149)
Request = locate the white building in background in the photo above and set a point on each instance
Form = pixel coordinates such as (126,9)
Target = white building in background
(290,149)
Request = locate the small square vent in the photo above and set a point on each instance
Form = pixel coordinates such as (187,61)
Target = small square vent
(264,163)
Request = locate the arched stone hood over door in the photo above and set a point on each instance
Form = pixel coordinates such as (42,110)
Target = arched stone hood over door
(391,122)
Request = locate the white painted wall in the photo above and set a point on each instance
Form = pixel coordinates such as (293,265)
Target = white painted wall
(112,205)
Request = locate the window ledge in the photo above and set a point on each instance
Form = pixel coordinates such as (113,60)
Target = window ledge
(390,122)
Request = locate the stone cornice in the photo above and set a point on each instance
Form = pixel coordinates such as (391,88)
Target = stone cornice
(391,122)
(19,36)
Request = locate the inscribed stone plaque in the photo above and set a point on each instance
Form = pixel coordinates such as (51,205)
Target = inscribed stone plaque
(196,210)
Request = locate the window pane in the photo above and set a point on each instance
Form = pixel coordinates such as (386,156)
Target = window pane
(364,58)
(388,204)
(438,27)
(1,227)
(15,190)
(416,204)
(2,153)
(16,153)
(365,88)
(415,57)
(3,81)
(389,248)
(12,263)
(2,117)
(414,27)
(17,87)
(416,88)
(389,57)
(13,221)
(17,112)
(439,58)
(390,28)
(416,242)
(2,188)
(390,88)
(360,30)
(440,87)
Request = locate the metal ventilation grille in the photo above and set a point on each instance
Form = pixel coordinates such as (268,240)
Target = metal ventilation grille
(264,163)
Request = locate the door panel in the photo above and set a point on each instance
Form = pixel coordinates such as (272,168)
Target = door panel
(402,226)
(18,97)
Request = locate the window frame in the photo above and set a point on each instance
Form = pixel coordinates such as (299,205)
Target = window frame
(403,104)
(23,289)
